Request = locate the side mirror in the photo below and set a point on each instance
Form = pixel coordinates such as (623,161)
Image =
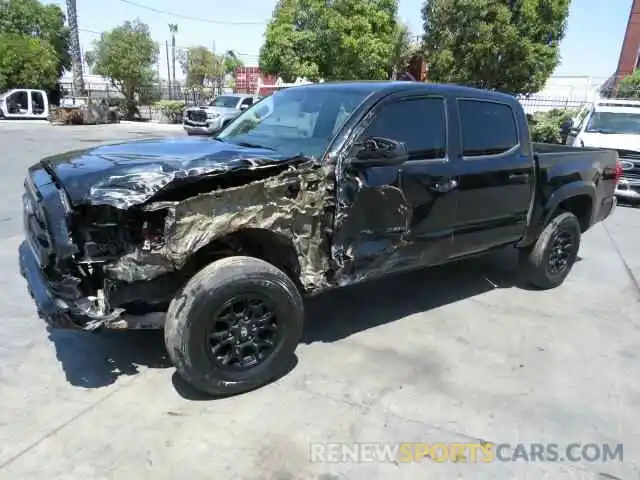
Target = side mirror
(379,152)
(244,107)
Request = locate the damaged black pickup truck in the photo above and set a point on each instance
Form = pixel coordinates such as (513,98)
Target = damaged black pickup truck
(217,240)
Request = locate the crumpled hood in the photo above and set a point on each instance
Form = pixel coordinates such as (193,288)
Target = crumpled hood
(127,174)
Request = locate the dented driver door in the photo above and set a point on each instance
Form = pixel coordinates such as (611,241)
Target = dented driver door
(397,217)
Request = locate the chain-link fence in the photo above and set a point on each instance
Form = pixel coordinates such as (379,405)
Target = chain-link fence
(148,96)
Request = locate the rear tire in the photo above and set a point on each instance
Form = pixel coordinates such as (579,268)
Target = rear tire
(199,336)
(549,262)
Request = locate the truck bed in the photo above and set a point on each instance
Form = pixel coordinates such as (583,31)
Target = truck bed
(558,165)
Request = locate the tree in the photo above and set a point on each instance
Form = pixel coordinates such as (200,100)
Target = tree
(200,65)
(74,50)
(39,29)
(27,62)
(173,28)
(504,45)
(127,56)
(629,86)
(403,49)
(231,62)
(349,39)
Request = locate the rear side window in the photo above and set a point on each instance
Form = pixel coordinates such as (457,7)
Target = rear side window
(488,128)
(419,122)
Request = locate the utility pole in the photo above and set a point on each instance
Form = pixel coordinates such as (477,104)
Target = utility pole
(169,85)
(214,77)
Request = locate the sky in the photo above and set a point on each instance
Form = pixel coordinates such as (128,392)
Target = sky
(591,46)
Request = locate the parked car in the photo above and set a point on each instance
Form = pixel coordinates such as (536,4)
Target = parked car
(614,124)
(24,103)
(212,118)
(316,187)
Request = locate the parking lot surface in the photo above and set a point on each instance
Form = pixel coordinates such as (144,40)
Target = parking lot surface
(460,353)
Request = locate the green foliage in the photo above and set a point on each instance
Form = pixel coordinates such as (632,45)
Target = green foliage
(172,109)
(510,46)
(403,49)
(629,86)
(200,65)
(27,62)
(545,127)
(33,38)
(126,55)
(231,62)
(351,39)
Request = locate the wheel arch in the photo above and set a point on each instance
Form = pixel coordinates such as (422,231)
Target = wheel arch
(272,247)
(576,197)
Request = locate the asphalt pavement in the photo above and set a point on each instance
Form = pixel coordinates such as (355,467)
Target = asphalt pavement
(459,353)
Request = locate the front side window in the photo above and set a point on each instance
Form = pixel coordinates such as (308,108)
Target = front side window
(18,102)
(296,120)
(488,128)
(224,101)
(614,122)
(420,123)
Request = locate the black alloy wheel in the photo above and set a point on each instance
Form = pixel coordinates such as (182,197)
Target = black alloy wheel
(244,332)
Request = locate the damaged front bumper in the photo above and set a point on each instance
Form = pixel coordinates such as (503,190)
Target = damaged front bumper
(82,313)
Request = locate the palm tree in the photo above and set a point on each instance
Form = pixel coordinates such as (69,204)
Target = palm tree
(173,28)
(74,49)
(402,50)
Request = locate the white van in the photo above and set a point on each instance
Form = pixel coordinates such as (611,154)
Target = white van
(613,124)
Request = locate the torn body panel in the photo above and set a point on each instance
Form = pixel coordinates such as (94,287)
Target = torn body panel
(291,204)
(138,242)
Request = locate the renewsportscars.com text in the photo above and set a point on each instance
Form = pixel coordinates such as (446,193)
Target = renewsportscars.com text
(476,452)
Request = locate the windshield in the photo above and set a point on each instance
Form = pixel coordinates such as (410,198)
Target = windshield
(296,120)
(614,122)
(224,101)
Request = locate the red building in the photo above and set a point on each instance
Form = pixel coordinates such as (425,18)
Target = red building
(630,51)
(247,79)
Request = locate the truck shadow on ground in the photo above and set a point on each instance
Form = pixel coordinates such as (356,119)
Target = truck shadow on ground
(97,359)
(94,360)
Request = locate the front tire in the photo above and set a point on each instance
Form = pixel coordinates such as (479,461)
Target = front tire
(235,326)
(549,262)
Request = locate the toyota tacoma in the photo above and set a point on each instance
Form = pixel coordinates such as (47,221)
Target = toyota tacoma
(217,240)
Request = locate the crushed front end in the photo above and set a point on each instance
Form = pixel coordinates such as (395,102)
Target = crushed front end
(66,250)
(116,255)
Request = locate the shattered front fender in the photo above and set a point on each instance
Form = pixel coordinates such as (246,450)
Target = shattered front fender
(292,204)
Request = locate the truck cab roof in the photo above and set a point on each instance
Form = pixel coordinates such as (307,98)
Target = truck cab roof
(393,86)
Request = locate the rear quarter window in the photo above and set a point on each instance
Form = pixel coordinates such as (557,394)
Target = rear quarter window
(487,128)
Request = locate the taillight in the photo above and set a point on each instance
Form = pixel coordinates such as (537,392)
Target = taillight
(618,174)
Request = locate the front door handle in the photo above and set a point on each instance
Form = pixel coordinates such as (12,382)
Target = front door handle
(518,177)
(444,187)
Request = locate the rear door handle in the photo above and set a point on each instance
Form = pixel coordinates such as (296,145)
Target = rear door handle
(518,177)
(444,187)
